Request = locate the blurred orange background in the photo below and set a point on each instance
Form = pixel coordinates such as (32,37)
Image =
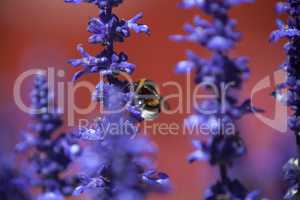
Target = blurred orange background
(43,33)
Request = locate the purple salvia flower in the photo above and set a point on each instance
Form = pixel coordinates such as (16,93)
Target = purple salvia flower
(224,145)
(138,28)
(12,183)
(122,165)
(120,168)
(288,92)
(106,30)
(51,155)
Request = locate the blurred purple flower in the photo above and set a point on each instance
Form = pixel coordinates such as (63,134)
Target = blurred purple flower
(291,31)
(50,154)
(232,190)
(224,145)
(12,182)
(121,168)
(122,165)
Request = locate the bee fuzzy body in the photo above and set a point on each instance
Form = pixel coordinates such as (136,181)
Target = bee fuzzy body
(147,99)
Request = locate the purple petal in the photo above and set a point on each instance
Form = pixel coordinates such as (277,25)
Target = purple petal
(95,25)
(198,21)
(192,3)
(198,155)
(82,51)
(177,38)
(184,66)
(73,1)
(78,74)
(97,38)
(50,196)
(89,134)
(238,2)
(126,67)
(219,43)
(157,181)
(280,24)
(75,62)
(189,28)
(138,28)
(288,32)
(282,7)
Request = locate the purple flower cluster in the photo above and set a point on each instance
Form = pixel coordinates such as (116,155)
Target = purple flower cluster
(51,154)
(119,163)
(290,89)
(11,182)
(121,168)
(107,29)
(222,75)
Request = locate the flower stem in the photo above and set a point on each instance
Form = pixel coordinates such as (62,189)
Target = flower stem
(223,173)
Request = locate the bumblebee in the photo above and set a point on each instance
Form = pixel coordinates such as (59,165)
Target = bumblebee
(147,99)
